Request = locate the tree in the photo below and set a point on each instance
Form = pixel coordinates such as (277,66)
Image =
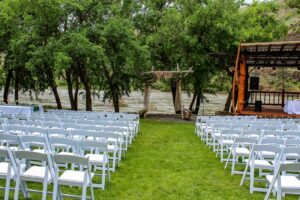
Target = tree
(124,59)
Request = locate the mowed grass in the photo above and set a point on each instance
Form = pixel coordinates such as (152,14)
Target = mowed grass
(167,161)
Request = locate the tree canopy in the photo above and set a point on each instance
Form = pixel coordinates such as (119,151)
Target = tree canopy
(107,45)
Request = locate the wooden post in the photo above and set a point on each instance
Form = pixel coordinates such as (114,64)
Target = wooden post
(235,75)
(282,97)
(178,97)
(242,85)
(147,90)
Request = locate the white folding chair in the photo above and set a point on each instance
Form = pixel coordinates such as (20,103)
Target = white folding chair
(65,146)
(34,143)
(11,141)
(6,171)
(58,132)
(31,123)
(97,153)
(51,124)
(114,146)
(256,161)
(15,122)
(226,141)
(66,120)
(38,131)
(40,174)
(284,184)
(240,148)
(72,177)
(14,129)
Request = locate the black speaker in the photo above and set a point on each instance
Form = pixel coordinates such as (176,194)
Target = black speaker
(254,83)
(258,106)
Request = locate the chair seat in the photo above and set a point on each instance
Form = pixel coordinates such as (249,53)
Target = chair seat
(35,133)
(4,169)
(111,147)
(17,132)
(268,154)
(287,182)
(66,153)
(261,163)
(35,173)
(39,150)
(95,158)
(242,151)
(227,142)
(217,134)
(71,176)
(292,155)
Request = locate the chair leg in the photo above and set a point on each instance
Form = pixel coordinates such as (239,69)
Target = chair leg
(103,175)
(7,185)
(244,174)
(228,158)
(92,191)
(84,191)
(55,188)
(251,179)
(233,164)
(221,149)
(16,196)
(45,186)
(114,160)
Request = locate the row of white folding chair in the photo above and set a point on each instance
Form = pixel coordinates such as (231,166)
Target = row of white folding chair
(242,147)
(216,127)
(95,114)
(70,126)
(36,141)
(46,174)
(227,137)
(64,123)
(130,118)
(113,135)
(257,160)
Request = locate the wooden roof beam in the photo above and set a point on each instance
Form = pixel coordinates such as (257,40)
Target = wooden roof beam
(269,43)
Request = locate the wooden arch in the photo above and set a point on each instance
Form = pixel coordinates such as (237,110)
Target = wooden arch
(157,75)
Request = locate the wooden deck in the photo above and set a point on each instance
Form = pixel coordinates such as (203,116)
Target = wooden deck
(269,112)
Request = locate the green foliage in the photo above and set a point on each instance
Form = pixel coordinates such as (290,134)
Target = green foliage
(107,45)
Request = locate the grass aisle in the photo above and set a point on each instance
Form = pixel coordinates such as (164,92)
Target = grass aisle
(167,161)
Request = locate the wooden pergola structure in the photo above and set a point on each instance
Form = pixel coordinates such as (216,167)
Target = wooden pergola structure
(157,75)
(256,55)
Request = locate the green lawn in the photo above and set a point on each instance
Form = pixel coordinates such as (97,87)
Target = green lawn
(167,161)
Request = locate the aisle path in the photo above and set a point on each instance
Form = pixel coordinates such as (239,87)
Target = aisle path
(167,161)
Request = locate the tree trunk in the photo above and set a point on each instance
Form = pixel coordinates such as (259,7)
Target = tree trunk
(197,104)
(192,102)
(56,95)
(53,85)
(84,79)
(7,84)
(228,101)
(76,92)
(17,83)
(70,88)
(115,97)
(88,96)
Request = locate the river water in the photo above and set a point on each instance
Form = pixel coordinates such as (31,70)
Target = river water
(160,102)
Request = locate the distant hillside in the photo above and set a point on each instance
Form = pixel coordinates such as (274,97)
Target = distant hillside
(275,80)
